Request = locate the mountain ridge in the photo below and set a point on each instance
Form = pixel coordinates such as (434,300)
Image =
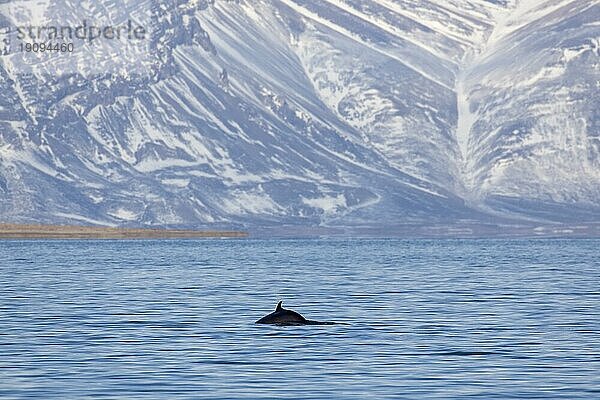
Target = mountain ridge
(341,114)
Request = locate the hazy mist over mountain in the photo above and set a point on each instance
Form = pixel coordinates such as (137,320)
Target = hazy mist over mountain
(341,116)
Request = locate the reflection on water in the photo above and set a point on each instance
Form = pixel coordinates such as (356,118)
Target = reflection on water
(424,319)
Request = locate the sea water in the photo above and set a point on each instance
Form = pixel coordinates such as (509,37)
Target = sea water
(421,319)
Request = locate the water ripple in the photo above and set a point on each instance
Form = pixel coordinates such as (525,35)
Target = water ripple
(422,319)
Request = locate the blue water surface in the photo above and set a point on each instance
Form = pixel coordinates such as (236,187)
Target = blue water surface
(488,319)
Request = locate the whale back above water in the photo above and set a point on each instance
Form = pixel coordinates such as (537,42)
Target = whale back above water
(281,316)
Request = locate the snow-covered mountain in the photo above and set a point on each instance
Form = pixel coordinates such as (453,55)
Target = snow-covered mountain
(359,115)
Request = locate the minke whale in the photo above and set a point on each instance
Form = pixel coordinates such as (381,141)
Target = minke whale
(281,316)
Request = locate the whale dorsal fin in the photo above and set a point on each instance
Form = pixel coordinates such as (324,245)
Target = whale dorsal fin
(278,308)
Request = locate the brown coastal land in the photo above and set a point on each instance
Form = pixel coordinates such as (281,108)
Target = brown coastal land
(17,231)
